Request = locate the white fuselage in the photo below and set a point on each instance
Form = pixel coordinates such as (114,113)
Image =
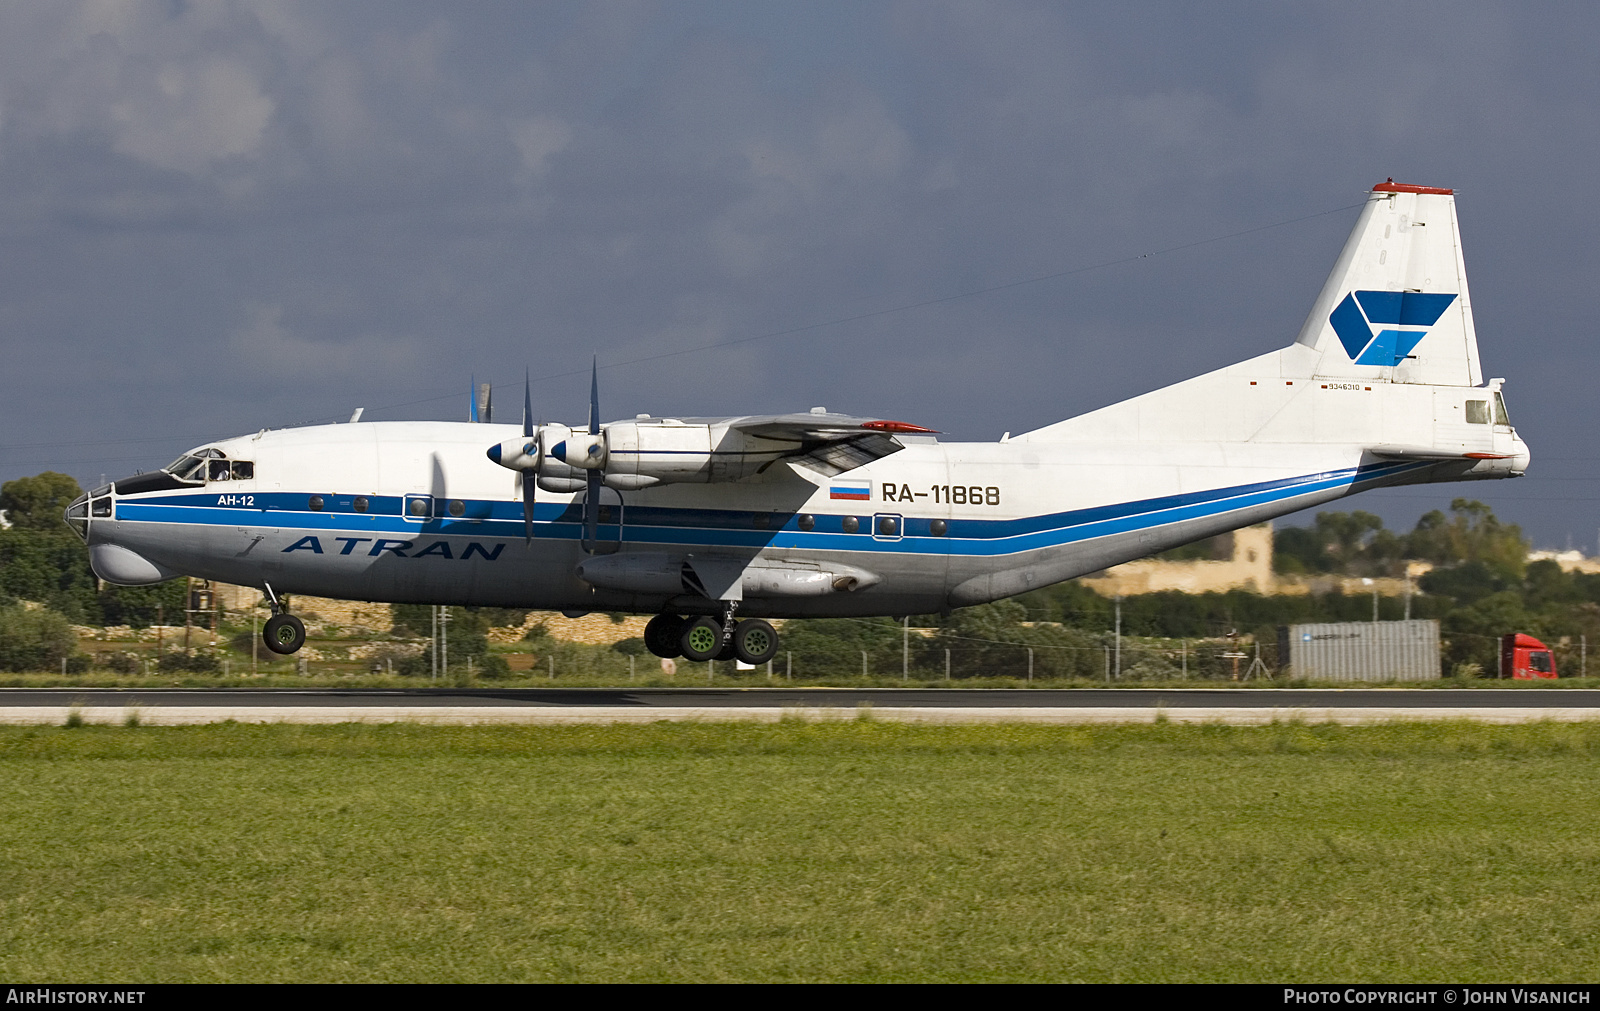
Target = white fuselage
(936,525)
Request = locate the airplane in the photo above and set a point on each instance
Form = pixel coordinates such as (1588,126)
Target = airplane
(714,525)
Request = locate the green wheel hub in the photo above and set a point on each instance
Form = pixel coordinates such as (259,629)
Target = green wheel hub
(703,639)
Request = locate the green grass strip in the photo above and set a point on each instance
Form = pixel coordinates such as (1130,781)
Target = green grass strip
(843,851)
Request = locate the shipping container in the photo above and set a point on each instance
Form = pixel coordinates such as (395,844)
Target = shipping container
(1360,651)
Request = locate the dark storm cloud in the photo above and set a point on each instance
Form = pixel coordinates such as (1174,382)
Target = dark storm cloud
(219,217)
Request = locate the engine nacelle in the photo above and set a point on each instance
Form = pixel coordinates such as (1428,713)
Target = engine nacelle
(638,454)
(666,450)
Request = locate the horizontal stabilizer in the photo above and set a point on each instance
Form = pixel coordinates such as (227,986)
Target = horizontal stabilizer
(1432,453)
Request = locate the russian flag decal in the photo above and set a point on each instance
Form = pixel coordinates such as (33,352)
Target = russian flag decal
(860,491)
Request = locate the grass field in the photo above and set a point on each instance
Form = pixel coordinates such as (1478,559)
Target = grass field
(800,851)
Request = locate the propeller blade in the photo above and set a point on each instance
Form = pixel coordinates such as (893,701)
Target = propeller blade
(527,405)
(529,483)
(594,396)
(591,511)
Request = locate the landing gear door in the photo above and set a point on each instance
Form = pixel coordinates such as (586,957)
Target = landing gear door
(608,533)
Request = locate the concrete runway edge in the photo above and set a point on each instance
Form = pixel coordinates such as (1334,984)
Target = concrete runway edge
(167,716)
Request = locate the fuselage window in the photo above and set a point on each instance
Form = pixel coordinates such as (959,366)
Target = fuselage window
(244,470)
(1500,415)
(1477,412)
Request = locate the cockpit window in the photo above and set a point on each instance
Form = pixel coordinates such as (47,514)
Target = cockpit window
(210,465)
(187,468)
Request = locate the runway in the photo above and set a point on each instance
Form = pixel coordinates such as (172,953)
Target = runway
(173,706)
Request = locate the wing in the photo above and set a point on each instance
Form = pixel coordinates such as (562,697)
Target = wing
(829,444)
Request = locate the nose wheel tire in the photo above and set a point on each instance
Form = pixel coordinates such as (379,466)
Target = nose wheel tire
(284,634)
(701,639)
(755,641)
(663,635)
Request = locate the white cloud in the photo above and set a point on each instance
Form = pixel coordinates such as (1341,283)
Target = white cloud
(188,116)
(538,139)
(273,349)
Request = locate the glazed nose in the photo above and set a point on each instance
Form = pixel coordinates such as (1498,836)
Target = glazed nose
(77,516)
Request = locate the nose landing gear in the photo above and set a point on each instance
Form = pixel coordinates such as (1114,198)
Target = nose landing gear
(283,632)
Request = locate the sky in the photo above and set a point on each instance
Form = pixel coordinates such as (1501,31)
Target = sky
(980,217)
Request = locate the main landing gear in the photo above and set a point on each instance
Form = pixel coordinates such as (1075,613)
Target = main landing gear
(704,638)
(283,633)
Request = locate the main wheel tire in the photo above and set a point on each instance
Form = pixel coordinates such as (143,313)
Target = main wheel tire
(662,635)
(701,639)
(284,634)
(755,641)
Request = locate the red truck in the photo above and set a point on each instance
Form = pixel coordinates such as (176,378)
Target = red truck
(1523,657)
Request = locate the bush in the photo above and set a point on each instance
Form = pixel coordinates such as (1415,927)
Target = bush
(34,639)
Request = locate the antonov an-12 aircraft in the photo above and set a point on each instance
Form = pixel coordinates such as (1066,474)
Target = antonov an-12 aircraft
(714,524)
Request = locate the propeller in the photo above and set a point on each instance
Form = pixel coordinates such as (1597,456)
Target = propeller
(529,484)
(571,451)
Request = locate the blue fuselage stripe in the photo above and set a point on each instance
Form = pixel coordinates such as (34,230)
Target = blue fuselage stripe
(488,520)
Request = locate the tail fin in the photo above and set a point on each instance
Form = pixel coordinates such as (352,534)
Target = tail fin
(1396,307)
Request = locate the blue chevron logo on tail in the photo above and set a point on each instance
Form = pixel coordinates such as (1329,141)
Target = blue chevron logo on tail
(1355,318)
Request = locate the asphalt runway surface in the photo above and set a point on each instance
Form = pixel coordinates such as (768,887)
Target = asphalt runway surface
(645,705)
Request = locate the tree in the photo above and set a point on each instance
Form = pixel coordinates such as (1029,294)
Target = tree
(36,503)
(1471,533)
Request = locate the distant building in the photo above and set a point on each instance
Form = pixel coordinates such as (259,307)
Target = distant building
(1241,560)
(1570,561)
